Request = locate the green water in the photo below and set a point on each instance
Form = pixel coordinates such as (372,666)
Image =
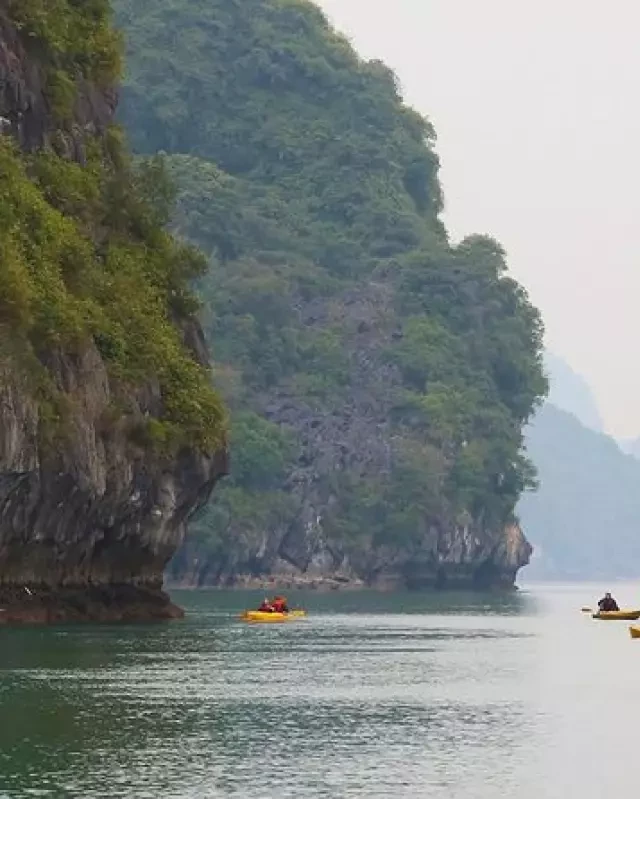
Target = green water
(372,696)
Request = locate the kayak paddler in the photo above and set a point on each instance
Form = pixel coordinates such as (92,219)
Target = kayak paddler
(608,603)
(266,607)
(280,605)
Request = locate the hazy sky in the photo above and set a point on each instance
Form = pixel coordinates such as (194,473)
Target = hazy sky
(536,109)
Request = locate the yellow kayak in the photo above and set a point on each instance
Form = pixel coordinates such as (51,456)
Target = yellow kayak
(263,616)
(635,632)
(617,614)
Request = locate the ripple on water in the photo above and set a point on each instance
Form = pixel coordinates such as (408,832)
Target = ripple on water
(475,701)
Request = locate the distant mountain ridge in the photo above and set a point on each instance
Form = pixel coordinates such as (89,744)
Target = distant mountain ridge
(583,520)
(569,390)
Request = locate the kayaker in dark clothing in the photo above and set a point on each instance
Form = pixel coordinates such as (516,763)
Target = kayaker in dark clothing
(608,603)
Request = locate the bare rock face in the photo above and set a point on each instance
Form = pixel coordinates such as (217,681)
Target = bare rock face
(458,556)
(88,516)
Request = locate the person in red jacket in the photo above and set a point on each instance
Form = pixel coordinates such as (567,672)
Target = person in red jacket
(280,605)
(266,607)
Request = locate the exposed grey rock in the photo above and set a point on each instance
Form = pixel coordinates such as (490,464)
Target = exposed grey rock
(461,552)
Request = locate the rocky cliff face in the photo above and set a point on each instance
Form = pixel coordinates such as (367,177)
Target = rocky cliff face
(25,108)
(88,519)
(306,550)
(461,557)
(88,515)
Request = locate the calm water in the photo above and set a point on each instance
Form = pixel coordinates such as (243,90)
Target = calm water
(371,696)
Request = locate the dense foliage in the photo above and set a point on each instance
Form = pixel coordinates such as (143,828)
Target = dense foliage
(84,252)
(300,174)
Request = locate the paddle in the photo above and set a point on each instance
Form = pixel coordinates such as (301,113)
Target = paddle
(586,609)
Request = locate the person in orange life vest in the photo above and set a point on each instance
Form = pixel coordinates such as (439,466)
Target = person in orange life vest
(280,605)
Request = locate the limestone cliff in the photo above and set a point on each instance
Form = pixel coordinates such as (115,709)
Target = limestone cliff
(378,373)
(460,558)
(91,508)
(308,546)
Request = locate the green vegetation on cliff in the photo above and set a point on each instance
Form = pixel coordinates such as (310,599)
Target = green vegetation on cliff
(304,178)
(71,41)
(84,251)
(70,36)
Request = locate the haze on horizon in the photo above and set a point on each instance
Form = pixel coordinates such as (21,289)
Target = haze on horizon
(534,107)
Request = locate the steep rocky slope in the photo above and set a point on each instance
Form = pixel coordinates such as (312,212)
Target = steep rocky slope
(346,456)
(110,435)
